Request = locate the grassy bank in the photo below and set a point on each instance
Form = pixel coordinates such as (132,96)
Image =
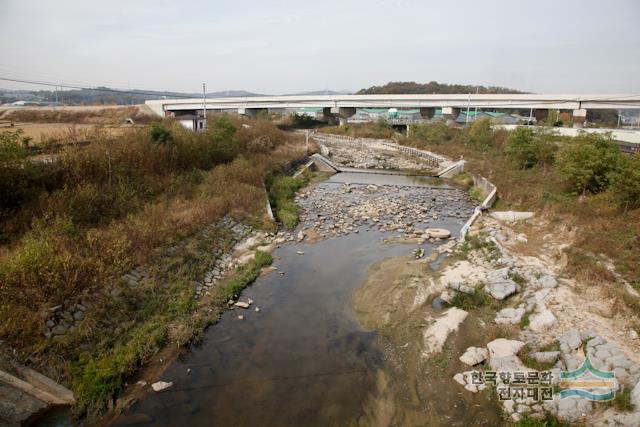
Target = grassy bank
(583,185)
(281,190)
(70,230)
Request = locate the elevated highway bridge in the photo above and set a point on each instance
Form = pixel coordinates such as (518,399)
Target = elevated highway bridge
(344,106)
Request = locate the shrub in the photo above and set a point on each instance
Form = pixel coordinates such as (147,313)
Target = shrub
(159,134)
(433,133)
(303,121)
(224,147)
(281,192)
(19,178)
(588,162)
(529,149)
(246,275)
(625,183)
(479,133)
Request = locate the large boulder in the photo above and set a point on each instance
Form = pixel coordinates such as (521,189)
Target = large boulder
(542,320)
(503,347)
(509,315)
(501,290)
(474,355)
(545,356)
(437,233)
(499,285)
(571,340)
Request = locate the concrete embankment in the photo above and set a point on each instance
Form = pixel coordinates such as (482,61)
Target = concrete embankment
(25,394)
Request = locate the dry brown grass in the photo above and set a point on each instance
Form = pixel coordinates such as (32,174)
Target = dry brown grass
(80,115)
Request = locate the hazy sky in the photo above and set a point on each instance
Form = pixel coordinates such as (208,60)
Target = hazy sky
(291,46)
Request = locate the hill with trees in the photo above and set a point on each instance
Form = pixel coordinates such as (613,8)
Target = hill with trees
(432,87)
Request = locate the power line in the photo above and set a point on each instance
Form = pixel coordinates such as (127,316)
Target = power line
(100,89)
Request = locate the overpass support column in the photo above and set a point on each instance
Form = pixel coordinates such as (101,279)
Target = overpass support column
(579,117)
(427,113)
(326,114)
(343,114)
(540,115)
(249,112)
(450,114)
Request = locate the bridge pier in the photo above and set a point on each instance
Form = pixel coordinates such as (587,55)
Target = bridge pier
(427,113)
(341,113)
(249,112)
(579,117)
(540,115)
(450,114)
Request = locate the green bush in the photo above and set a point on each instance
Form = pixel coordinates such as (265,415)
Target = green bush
(282,189)
(159,134)
(588,162)
(432,133)
(625,183)
(19,178)
(303,121)
(479,133)
(224,147)
(529,149)
(246,274)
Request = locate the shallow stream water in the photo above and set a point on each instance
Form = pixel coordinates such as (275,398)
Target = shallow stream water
(302,359)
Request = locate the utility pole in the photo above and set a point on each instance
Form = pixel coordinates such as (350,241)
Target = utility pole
(204,105)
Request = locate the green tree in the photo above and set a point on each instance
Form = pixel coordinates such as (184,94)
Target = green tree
(224,145)
(625,183)
(588,162)
(479,133)
(432,133)
(303,121)
(159,134)
(528,148)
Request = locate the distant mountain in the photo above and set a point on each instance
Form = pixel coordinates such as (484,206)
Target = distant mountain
(431,88)
(226,94)
(322,92)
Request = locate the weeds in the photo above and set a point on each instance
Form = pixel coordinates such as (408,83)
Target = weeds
(548,421)
(282,189)
(525,356)
(622,401)
(472,301)
(245,275)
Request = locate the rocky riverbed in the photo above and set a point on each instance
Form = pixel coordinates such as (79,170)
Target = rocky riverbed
(369,154)
(337,208)
(505,314)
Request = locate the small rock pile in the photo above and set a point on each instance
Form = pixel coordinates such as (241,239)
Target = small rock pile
(62,317)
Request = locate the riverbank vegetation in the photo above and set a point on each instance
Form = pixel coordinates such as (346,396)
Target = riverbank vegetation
(282,190)
(585,183)
(72,228)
